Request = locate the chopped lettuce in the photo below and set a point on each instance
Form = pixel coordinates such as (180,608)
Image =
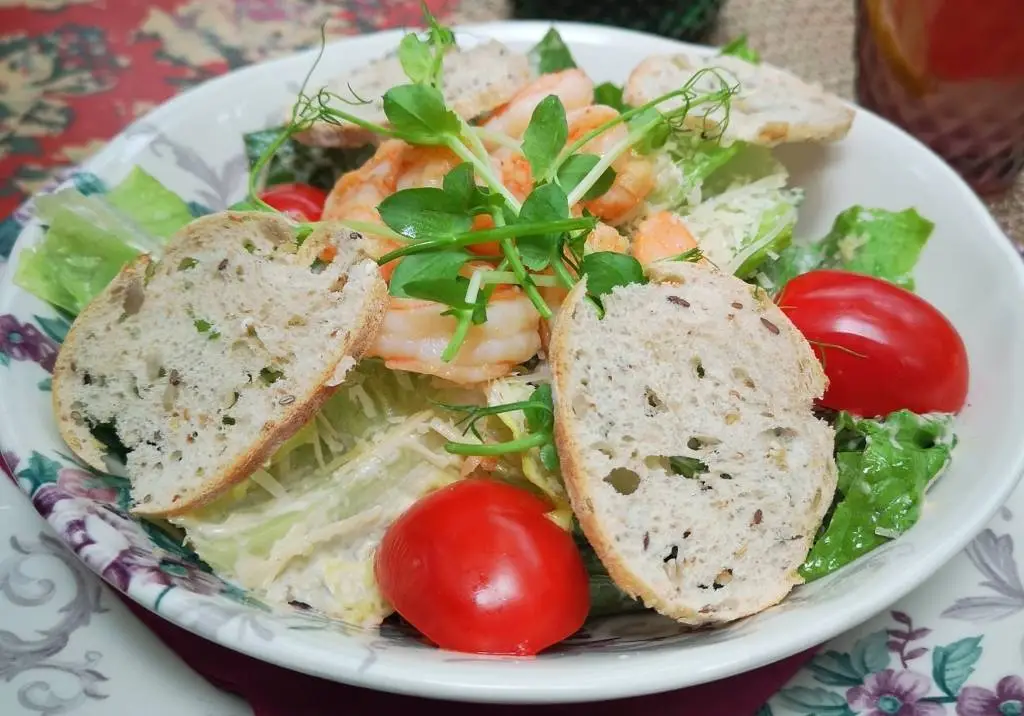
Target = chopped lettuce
(547,481)
(152,206)
(739,47)
(295,162)
(877,242)
(683,165)
(885,467)
(305,527)
(551,54)
(88,239)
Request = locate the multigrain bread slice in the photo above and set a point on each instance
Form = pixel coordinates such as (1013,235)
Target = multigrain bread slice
(690,453)
(205,362)
(771,106)
(475,81)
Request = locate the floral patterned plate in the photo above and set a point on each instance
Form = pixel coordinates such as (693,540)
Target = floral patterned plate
(193,145)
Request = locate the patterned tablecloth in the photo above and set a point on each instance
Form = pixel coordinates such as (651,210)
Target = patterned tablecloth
(74,72)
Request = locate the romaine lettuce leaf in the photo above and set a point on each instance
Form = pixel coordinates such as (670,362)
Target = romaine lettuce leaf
(295,162)
(551,54)
(155,208)
(877,242)
(885,467)
(605,596)
(88,239)
(305,527)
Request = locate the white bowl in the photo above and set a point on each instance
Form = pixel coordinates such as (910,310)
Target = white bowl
(193,145)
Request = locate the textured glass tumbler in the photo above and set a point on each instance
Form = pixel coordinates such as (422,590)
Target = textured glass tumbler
(682,19)
(950,72)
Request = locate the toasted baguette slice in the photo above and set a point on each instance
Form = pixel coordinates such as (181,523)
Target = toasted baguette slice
(690,453)
(771,106)
(208,360)
(476,81)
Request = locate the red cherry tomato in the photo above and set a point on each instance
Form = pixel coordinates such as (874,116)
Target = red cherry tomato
(300,201)
(477,567)
(883,348)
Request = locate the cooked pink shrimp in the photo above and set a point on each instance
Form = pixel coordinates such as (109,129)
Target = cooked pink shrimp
(357,193)
(425,166)
(514,171)
(660,236)
(573,87)
(415,333)
(602,238)
(634,178)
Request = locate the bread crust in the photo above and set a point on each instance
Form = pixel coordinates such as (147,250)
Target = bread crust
(580,484)
(286,421)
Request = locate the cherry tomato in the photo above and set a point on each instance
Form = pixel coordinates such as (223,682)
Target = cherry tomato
(883,348)
(477,567)
(300,201)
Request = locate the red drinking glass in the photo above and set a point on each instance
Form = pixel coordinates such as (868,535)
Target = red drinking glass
(950,72)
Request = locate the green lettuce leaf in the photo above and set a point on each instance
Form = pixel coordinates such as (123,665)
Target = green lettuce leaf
(877,242)
(295,162)
(885,467)
(89,239)
(551,54)
(152,206)
(606,598)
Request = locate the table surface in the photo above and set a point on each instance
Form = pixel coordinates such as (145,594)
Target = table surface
(74,72)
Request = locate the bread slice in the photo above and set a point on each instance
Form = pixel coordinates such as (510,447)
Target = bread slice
(771,106)
(475,81)
(205,362)
(690,453)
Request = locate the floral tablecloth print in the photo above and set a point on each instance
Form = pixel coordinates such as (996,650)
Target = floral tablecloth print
(74,72)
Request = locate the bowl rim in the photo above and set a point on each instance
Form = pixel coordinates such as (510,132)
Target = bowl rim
(604,676)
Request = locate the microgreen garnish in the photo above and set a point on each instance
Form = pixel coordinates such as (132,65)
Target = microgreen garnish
(690,256)
(610,94)
(606,270)
(545,135)
(434,225)
(540,423)
(551,54)
(739,47)
(577,167)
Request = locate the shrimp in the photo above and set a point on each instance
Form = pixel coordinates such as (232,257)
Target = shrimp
(394,166)
(426,166)
(357,193)
(573,87)
(660,236)
(514,170)
(634,177)
(415,333)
